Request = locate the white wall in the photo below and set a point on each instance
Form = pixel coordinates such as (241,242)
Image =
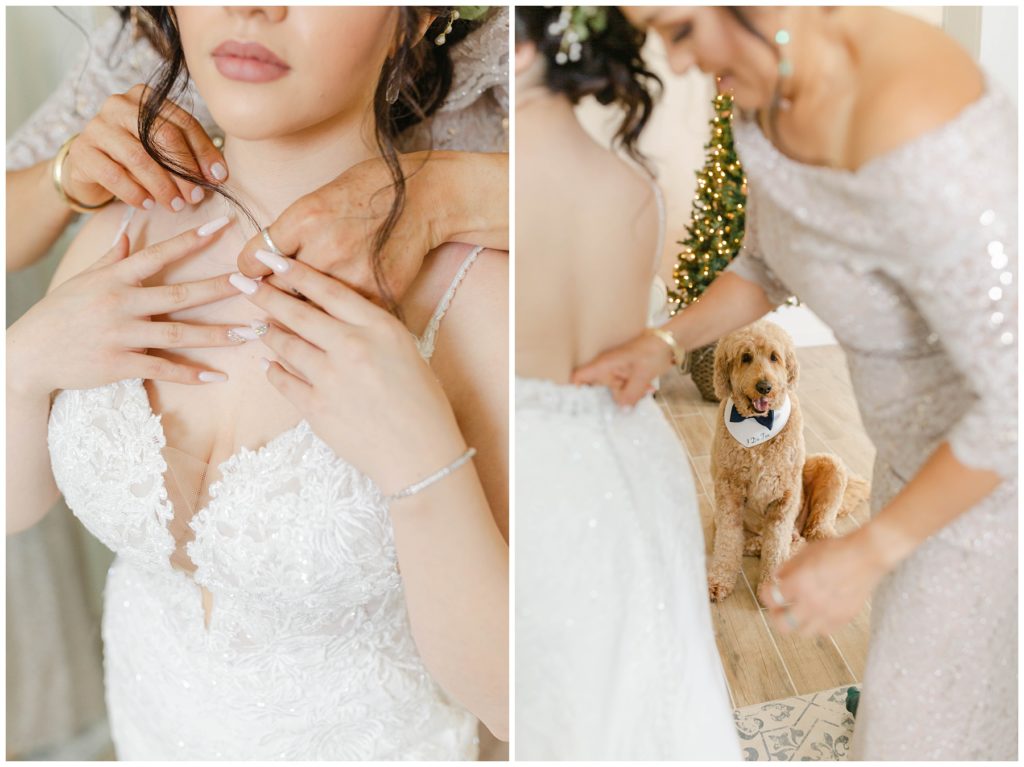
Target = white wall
(999,40)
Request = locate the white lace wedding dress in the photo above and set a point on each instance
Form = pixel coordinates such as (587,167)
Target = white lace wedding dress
(615,652)
(308,653)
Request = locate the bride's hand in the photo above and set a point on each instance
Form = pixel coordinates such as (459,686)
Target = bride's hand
(95,328)
(449,197)
(107,158)
(627,370)
(354,372)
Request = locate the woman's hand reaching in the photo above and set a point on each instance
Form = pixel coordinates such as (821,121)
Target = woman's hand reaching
(107,158)
(449,197)
(627,370)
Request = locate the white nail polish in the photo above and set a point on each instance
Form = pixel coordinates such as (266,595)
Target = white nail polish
(147,204)
(219,171)
(210,377)
(264,364)
(243,283)
(212,226)
(259,327)
(197,195)
(177,204)
(277,263)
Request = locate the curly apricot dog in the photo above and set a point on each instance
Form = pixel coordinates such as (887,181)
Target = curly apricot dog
(764,481)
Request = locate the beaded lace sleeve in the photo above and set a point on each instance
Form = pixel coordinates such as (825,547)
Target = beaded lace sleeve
(749,262)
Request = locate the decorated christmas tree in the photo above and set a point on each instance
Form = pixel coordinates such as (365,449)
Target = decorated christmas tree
(715,232)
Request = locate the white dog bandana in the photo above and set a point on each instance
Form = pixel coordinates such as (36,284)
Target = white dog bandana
(755,429)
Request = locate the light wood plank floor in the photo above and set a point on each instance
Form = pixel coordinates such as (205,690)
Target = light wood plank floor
(760,664)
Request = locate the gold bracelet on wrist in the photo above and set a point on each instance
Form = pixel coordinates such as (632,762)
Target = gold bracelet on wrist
(57,168)
(670,341)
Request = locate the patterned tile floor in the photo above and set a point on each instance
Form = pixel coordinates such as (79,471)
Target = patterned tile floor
(805,728)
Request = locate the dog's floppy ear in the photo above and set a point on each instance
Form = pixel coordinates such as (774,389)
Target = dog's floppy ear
(723,361)
(792,365)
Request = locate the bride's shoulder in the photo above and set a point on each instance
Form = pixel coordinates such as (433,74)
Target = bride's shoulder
(93,240)
(452,274)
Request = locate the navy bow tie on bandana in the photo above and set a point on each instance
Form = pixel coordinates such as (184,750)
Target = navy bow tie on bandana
(766,420)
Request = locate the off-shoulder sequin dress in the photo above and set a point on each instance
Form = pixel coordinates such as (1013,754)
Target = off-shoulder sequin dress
(308,654)
(912,261)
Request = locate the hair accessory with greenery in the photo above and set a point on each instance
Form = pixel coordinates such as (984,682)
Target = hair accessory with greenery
(576,23)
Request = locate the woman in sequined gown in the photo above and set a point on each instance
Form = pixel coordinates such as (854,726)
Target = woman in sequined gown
(615,654)
(273,596)
(884,195)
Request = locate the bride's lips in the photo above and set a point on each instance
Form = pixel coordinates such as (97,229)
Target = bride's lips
(248,62)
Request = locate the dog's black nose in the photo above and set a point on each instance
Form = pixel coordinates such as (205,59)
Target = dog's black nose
(763,387)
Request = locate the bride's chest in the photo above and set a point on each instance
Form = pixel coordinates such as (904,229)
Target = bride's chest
(287,522)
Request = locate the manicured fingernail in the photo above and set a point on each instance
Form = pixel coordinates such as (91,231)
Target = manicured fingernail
(209,377)
(219,171)
(274,261)
(177,204)
(255,330)
(264,364)
(212,226)
(240,335)
(147,204)
(243,283)
(198,194)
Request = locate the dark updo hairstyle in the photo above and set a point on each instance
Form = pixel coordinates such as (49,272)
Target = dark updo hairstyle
(421,69)
(609,68)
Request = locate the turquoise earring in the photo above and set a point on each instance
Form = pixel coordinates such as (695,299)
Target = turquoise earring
(782,39)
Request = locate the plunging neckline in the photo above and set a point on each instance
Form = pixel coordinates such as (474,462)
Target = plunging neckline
(212,489)
(211,493)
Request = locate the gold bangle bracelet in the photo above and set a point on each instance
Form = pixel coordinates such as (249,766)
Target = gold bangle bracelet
(670,341)
(57,168)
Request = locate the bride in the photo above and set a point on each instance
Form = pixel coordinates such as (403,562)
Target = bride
(615,655)
(340,591)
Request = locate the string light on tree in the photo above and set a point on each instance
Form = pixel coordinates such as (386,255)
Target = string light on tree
(715,232)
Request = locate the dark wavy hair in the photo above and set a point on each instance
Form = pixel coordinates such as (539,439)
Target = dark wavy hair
(421,69)
(610,69)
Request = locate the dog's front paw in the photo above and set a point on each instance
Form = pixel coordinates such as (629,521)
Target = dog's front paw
(752,547)
(820,533)
(720,587)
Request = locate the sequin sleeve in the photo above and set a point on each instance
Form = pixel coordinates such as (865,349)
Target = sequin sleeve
(750,264)
(969,301)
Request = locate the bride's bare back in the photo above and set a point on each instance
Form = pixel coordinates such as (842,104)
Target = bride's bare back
(586,234)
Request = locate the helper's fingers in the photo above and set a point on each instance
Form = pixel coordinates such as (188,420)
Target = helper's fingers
(169,138)
(287,233)
(90,163)
(124,148)
(597,372)
(151,260)
(209,160)
(632,392)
